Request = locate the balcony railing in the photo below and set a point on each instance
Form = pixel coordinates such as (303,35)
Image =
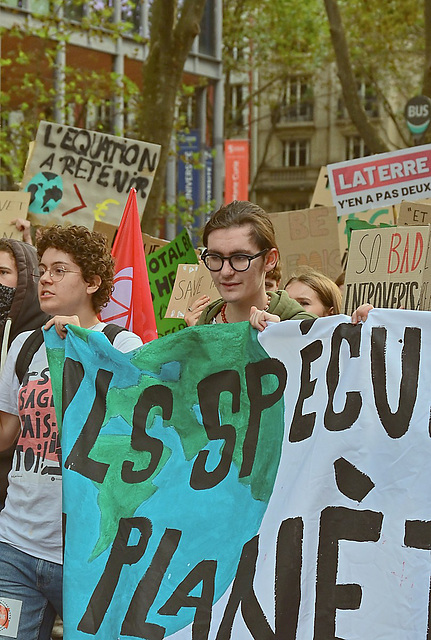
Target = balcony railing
(279,177)
(295,113)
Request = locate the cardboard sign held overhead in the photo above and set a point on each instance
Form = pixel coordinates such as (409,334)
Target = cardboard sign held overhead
(322,196)
(192,281)
(381,180)
(151,243)
(77,176)
(13,204)
(162,267)
(308,237)
(109,230)
(389,268)
(415,213)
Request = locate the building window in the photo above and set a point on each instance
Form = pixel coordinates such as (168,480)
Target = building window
(297,103)
(368,98)
(355,148)
(296,153)
(98,117)
(237,102)
(73,11)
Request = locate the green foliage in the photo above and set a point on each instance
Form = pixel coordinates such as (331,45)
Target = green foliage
(29,52)
(183,211)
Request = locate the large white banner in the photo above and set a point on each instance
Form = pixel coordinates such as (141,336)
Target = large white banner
(269,487)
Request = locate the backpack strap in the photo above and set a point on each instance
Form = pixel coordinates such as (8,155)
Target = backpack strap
(111,331)
(32,343)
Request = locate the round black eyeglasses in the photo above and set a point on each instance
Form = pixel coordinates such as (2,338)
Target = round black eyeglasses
(238,261)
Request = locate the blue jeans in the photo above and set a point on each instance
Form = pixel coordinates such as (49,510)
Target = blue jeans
(37,585)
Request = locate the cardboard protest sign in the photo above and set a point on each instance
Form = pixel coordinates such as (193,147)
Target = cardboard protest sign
(151,243)
(13,204)
(250,492)
(414,213)
(388,268)
(308,236)
(376,217)
(322,196)
(109,230)
(162,267)
(76,176)
(191,282)
(382,179)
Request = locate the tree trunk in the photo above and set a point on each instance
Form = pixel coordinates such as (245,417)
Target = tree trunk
(348,81)
(171,39)
(426,90)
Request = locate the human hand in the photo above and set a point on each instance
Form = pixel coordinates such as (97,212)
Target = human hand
(24,226)
(259,319)
(60,322)
(361,313)
(194,311)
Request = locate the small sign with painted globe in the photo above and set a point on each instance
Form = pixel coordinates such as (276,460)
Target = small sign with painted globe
(418,114)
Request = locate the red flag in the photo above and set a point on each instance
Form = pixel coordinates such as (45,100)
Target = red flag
(131,305)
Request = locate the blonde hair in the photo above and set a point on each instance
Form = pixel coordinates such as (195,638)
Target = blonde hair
(328,292)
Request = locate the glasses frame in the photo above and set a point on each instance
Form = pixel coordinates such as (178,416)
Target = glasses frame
(54,278)
(207,253)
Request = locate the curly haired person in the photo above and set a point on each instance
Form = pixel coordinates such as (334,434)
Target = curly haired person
(75,276)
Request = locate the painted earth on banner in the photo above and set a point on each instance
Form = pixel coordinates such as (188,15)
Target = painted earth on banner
(220,483)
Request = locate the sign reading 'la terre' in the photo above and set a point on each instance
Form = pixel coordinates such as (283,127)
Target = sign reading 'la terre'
(383,179)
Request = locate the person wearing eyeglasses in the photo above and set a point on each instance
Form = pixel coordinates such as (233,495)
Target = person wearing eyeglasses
(240,251)
(74,281)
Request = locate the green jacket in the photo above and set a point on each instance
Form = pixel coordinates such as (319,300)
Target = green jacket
(281,305)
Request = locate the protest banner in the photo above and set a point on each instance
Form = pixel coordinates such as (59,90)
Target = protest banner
(267,495)
(380,180)
(308,237)
(188,175)
(236,160)
(414,213)
(389,268)
(162,267)
(130,304)
(191,282)
(13,204)
(76,176)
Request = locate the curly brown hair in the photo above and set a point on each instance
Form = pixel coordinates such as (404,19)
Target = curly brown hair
(89,250)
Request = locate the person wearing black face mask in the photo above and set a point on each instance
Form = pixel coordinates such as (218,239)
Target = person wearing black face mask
(19,311)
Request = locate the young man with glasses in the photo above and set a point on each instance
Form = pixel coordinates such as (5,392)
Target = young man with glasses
(75,279)
(240,251)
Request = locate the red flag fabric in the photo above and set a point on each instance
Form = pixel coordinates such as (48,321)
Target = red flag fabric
(131,305)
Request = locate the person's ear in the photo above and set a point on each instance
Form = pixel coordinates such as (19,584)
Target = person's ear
(330,312)
(271,259)
(94,284)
